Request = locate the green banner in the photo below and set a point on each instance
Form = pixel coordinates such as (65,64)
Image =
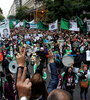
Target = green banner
(12,23)
(42,26)
(82,26)
(64,24)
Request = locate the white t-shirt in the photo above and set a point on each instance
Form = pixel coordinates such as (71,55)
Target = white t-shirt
(34,34)
(15,37)
(27,36)
(49,37)
(37,37)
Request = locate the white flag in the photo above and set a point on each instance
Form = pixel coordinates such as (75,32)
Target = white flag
(53,26)
(32,22)
(4,29)
(19,24)
(73,26)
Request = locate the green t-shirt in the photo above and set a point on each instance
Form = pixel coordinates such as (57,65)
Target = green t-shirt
(35,67)
(68,51)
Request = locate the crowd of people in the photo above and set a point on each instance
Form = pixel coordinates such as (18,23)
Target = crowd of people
(44,51)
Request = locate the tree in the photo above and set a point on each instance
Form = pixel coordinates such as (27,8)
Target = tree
(79,6)
(58,9)
(65,8)
(1,11)
(1,17)
(22,13)
(11,17)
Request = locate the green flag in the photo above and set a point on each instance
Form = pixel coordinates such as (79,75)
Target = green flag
(64,24)
(26,24)
(79,22)
(82,26)
(11,25)
(42,26)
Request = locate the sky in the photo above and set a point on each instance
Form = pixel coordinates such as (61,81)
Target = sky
(5,6)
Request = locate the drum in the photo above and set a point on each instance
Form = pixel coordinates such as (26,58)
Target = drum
(67,61)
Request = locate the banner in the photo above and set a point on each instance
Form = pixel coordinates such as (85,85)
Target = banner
(64,24)
(88,25)
(42,26)
(73,26)
(19,24)
(32,22)
(53,26)
(13,23)
(82,26)
(33,26)
(26,24)
(4,29)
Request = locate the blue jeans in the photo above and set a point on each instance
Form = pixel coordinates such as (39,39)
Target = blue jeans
(85,91)
(54,78)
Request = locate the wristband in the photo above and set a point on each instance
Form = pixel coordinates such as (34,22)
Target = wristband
(23,98)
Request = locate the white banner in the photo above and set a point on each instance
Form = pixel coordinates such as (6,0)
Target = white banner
(53,26)
(19,24)
(4,29)
(73,26)
(32,22)
(33,26)
(88,25)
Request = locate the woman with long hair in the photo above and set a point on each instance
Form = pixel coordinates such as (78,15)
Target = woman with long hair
(69,78)
(38,90)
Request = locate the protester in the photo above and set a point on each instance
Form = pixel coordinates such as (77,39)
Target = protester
(69,78)
(59,95)
(54,74)
(84,83)
(50,47)
(10,88)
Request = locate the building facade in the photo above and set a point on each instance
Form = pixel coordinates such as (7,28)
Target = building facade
(12,10)
(31,4)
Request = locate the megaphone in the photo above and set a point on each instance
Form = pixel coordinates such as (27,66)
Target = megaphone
(13,66)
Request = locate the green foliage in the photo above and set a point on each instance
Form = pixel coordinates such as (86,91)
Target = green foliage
(22,13)
(79,6)
(1,11)
(11,17)
(1,17)
(67,9)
